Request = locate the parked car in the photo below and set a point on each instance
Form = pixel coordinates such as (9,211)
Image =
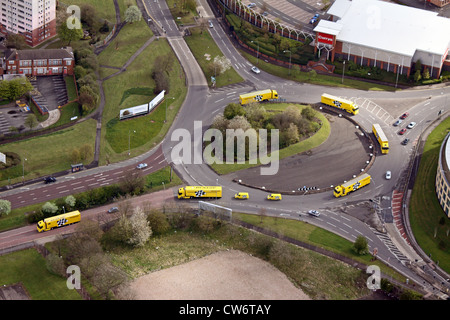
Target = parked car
(274,196)
(210,24)
(404,116)
(252,5)
(265,13)
(49,180)
(141,166)
(113,209)
(314,19)
(405,142)
(314,213)
(411,125)
(388,175)
(256,70)
(241,195)
(401,132)
(396,123)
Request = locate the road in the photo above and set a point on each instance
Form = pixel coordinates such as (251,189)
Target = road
(202,104)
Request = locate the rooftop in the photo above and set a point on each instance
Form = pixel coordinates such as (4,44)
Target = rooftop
(388,27)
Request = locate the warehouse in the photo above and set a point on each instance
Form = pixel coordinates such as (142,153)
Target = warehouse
(386,35)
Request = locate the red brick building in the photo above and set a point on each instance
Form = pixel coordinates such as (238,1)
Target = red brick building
(39,62)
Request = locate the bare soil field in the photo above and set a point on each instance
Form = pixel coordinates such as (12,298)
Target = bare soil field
(226,275)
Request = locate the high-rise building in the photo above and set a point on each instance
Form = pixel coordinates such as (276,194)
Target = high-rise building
(34,19)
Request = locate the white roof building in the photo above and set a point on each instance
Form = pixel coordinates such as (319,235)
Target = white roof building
(386,32)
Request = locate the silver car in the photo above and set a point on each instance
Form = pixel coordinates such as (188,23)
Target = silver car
(314,213)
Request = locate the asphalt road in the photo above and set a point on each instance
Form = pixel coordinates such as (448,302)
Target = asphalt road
(202,104)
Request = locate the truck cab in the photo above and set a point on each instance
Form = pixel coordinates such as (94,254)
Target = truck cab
(181,193)
(41,226)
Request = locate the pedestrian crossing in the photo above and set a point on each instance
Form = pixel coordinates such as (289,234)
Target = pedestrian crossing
(384,237)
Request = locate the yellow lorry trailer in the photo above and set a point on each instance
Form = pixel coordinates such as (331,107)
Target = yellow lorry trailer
(352,185)
(59,221)
(339,103)
(190,192)
(258,96)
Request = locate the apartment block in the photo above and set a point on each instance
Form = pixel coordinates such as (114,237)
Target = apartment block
(34,19)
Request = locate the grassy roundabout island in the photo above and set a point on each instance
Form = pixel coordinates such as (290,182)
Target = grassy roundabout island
(301,128)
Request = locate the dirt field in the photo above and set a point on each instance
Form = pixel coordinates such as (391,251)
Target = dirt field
(226,275)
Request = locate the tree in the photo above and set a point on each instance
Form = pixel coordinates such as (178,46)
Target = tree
(31,121)
(88,14)
(291,135)
(5,207)
(49,208)
(426,73)
(55,265)
(88,98)
(140,228)
(309,113)
(70,201)
(360,246)
(220,123)
(15,88)
(70,34)
(417,76)
(255,113)
(15,40)
(232,110)
(158,222)
(133,14)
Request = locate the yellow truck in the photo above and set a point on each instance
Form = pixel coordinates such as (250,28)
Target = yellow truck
(190,192)
(59,221)
(258,96)
(352,185)
(339,103)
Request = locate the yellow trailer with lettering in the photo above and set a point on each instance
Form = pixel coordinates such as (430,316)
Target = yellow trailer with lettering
(190,192)
(339,103)
(59,221)
(352,185)
(258,96)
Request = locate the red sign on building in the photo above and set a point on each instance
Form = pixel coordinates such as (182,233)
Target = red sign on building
(325,38)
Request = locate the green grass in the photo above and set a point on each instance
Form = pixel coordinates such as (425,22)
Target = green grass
(28,267)
(131,88)
(161,180)
(71,88)
(130,38)
(424,208)
(317,139)
(178,10)
(316,236)
(201,43)
(48,153)
(319,79)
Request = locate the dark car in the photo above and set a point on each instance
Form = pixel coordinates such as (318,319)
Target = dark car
(49,180)
(401,132)
(404,116)
(405,142)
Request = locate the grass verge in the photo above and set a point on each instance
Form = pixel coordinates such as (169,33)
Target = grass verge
(424,209)
(28,267)
(205,50)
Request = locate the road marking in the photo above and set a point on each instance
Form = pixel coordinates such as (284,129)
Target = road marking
(335,219)
(358,231)
(343,230)
(331,224)
(64,191)
(347,225)
(218,100)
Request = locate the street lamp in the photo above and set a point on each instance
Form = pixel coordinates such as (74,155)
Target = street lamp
(257,52)
(129,141)
(343,71)
(23,170)
(165,116)
(290,55)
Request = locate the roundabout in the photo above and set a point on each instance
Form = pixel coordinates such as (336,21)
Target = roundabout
(340,157)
